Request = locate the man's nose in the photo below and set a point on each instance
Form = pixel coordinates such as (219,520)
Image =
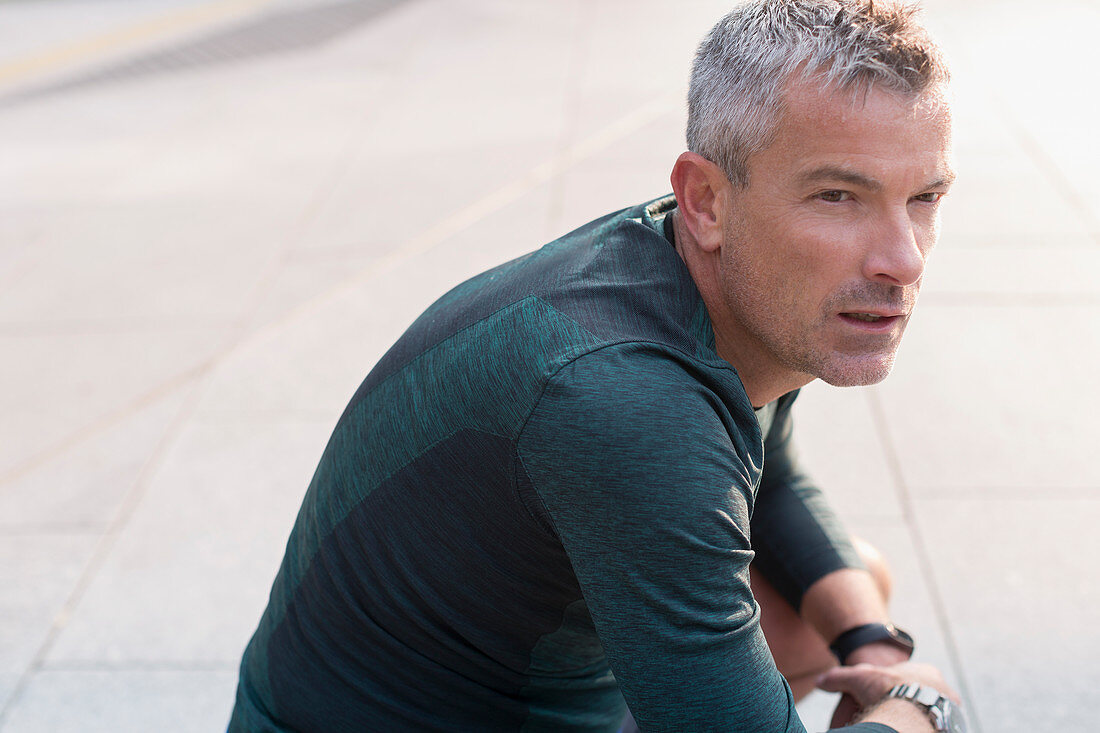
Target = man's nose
(896,255)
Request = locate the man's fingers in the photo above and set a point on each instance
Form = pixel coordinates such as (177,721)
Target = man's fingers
(866,683)
(845,711)
(840,679)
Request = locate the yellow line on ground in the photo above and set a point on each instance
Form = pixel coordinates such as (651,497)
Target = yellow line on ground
(166,24)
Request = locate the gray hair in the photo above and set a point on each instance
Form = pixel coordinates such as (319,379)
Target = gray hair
(745,62)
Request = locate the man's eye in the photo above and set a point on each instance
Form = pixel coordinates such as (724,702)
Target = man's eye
(834,196)
(929,198)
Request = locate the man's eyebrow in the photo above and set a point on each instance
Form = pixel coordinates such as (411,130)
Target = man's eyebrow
(943,181)
(837,173)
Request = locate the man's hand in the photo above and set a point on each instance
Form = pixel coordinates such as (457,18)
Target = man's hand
(865,685)
(880,654)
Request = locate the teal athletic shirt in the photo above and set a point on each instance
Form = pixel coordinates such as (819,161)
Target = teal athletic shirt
(544,499)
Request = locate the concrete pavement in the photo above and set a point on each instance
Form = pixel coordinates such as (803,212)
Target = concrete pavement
(217,215)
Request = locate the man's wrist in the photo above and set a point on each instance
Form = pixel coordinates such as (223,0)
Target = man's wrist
(901,715)
(846,644)
(878,653)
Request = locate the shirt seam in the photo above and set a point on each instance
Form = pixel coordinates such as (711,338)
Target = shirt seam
(518,459)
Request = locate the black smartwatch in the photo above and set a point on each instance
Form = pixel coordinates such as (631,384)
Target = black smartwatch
(853,639)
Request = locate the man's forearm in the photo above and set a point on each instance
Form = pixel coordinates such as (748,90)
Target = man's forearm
(845,599)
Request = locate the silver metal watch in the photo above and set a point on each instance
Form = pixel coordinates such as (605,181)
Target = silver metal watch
(944,714)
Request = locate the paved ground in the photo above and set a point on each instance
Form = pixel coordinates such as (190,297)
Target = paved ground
(217,215)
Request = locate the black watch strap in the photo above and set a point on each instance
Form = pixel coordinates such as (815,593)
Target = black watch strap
(853,639)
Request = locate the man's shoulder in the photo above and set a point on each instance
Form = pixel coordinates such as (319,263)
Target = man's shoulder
(644,400)
(617,278)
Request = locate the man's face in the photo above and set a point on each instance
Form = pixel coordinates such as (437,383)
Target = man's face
(824,250)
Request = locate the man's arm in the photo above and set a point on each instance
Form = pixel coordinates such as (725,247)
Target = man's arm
(646,479)
(869,684)
(640,479)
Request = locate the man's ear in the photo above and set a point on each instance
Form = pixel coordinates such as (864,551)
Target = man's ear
(702,195)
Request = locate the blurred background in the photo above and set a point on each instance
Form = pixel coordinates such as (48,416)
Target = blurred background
(215,216)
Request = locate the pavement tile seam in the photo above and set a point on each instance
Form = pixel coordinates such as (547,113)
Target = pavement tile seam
(347,164)
(93,701)
(1049,167)
(433,236)
(240,331)
(877,519)
(22,678)
(14,529)
(1037,605)
(1040,494)
(38,571)
(1008,300)
(141,665)
(461,220)
(265,416)
(337,170)
(925,499)
(923,557)
(102,550)
(79,436)
(885,519)
(68,326)
(466,217)
(137,161)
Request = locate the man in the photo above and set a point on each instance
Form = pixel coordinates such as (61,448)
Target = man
(571,482)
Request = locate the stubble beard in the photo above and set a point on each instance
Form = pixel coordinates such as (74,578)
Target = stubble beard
(831,363)
(857,371)
(814,356)
(811,351)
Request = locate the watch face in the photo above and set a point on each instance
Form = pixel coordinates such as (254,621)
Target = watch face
(953,718)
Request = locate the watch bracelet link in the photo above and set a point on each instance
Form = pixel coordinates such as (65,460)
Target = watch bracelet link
(922,695)
(934,704)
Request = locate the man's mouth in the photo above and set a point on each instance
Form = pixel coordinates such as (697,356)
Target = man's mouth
(876,321)
(869,317)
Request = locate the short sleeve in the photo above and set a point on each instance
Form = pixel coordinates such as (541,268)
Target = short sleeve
(797,537)
(647,477)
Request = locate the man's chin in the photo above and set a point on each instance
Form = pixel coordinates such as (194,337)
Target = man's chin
(857,371)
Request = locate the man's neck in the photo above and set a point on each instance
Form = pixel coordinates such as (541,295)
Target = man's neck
(764,380)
